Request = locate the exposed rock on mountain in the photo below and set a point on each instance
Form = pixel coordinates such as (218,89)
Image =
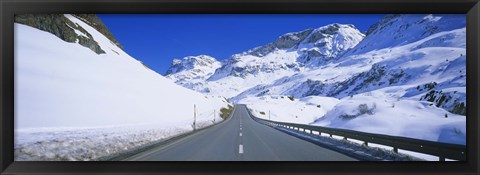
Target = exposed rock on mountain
(289,54)
(60,26)
(193,70)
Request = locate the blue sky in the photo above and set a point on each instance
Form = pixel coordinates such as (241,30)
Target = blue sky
(157,39)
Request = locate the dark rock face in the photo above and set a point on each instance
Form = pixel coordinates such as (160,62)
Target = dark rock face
(446,100)
(314,87)
(284,42)
(194,63)
(63,28)
(383,23)
(95,22)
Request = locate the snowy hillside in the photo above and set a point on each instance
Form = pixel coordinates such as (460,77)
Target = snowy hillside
(289,54)
(74,104)
(412,86)
(289,109)
(380,111)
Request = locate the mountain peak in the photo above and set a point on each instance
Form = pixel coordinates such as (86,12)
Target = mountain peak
(328,42)
(292,40)
(191,71)
(192,62)
(334,28)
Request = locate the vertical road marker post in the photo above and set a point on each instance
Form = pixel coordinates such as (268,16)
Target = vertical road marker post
(194,117)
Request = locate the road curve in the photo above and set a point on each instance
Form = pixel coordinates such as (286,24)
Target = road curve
(240,138)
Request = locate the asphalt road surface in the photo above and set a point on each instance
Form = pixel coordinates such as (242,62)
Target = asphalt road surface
(240,138)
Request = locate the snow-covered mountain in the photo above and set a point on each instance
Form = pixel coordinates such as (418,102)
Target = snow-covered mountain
(289,54)
(77,100)
(374,65)
(192,71)
(407,71)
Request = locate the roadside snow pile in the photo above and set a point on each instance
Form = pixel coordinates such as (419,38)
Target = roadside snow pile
(354,149)
(61,86)
(384,113)
(83,144)
(289,109)
(381,111)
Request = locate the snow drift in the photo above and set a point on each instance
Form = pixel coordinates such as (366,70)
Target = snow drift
(66,88)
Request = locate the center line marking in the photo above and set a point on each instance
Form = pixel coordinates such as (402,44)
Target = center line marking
(240,134)
(240,149)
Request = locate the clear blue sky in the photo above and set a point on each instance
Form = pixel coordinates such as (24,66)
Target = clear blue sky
(157,39)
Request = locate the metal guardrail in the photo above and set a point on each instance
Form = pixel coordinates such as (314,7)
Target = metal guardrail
(442,150)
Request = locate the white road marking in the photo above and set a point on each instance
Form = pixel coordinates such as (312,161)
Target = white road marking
(240,134)
(240,149)
(240,128)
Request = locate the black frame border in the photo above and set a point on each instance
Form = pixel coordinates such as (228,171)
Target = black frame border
(10,7)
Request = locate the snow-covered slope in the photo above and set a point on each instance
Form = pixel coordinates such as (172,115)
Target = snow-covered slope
(66,88)
(381,111)
(289,54)
(398,30)
(406,78)
(437,59)
(289,109)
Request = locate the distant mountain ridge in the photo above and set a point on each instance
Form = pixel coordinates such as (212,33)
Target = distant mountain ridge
(337,61)
(289,54)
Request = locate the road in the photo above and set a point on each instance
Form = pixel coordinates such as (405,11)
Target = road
(240,138)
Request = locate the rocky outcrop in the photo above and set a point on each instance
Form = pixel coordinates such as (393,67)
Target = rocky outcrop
(63,28)
(192,71)
(95,22)
(286,41)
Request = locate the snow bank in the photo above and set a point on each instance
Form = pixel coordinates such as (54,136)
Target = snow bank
(289,109)
(376,112)
(65,85)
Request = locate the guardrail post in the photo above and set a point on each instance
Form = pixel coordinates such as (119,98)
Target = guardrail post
(331,135)
(365,143)
(441,159)
(395,149)
(345,138)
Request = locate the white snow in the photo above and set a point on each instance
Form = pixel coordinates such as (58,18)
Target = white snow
(192,70)
(282,108)
(77,31)
(398,117)
(60,87)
